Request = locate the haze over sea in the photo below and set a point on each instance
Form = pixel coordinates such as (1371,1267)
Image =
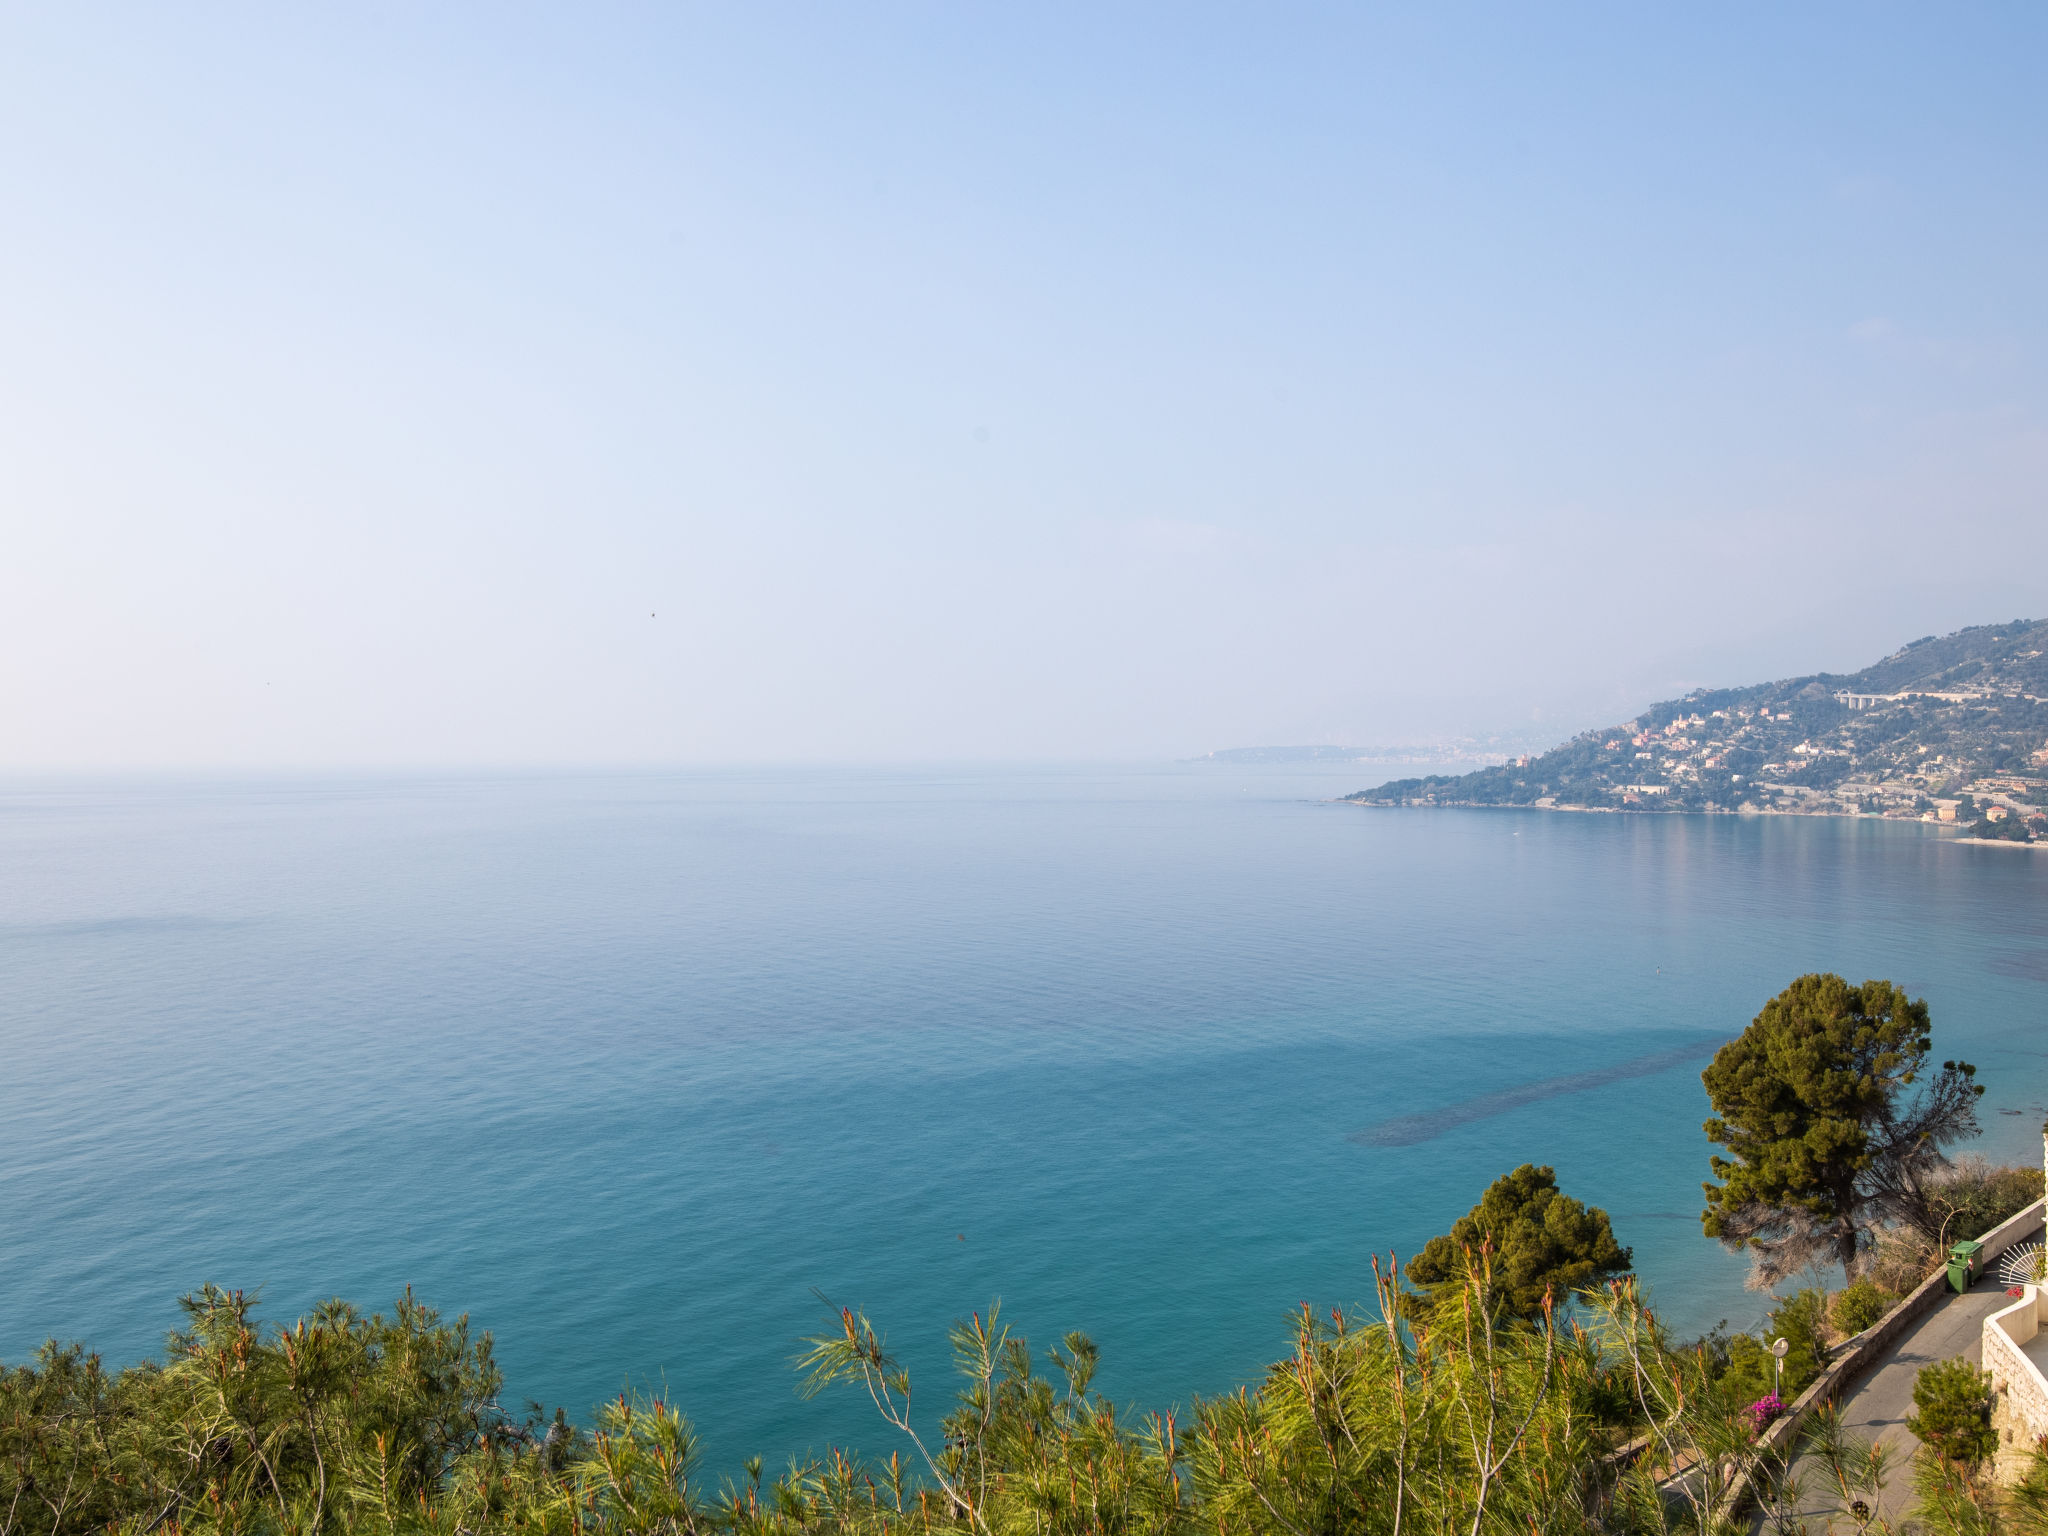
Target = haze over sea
(627,1066)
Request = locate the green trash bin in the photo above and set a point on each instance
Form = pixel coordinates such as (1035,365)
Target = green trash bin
(1963,1266)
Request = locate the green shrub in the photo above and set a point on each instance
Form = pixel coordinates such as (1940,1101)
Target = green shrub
(1952,1417)
(1857,1307)
(1978,1196)
(1797,1319)
(1748,1376)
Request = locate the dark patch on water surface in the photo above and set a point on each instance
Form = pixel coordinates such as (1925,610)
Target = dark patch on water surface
(2023,964)
(113,927)
(1409,1130)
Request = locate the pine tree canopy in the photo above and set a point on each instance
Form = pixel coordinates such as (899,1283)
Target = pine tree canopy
(1825,1141)
(1543,1242)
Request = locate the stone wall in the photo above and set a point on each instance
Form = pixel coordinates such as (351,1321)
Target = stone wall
(2019,1402)
(2019,1394)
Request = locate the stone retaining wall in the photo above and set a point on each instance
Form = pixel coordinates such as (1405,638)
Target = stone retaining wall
(2019,1400)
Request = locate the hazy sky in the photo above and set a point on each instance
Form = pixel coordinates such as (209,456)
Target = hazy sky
(495,384)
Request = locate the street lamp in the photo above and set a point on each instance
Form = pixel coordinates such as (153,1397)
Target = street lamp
(1778,1350)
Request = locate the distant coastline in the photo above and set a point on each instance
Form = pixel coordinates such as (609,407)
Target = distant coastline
(1944,834)
(1951,731)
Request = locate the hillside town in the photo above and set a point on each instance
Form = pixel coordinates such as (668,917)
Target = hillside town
(1951,730)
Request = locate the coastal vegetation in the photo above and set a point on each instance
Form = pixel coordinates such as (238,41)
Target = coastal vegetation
(1748,1371)
(1546,1246)
(1953,729)
(1463,1419)
(1834,1127)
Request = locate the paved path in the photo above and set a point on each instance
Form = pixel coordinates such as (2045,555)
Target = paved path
(1877,1407)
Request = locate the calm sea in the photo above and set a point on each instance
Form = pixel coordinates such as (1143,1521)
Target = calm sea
(629,1067)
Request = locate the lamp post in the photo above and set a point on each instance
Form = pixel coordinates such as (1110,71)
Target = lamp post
(1778,1349)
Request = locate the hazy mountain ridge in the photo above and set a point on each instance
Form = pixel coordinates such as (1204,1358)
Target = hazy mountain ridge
(1489,750)
(1947,728)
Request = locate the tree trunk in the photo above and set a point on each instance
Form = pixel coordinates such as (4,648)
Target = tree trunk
(1848,1247)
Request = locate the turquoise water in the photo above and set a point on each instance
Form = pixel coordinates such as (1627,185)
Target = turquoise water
(627,1066)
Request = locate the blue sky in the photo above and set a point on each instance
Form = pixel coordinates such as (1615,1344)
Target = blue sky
(605,384)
